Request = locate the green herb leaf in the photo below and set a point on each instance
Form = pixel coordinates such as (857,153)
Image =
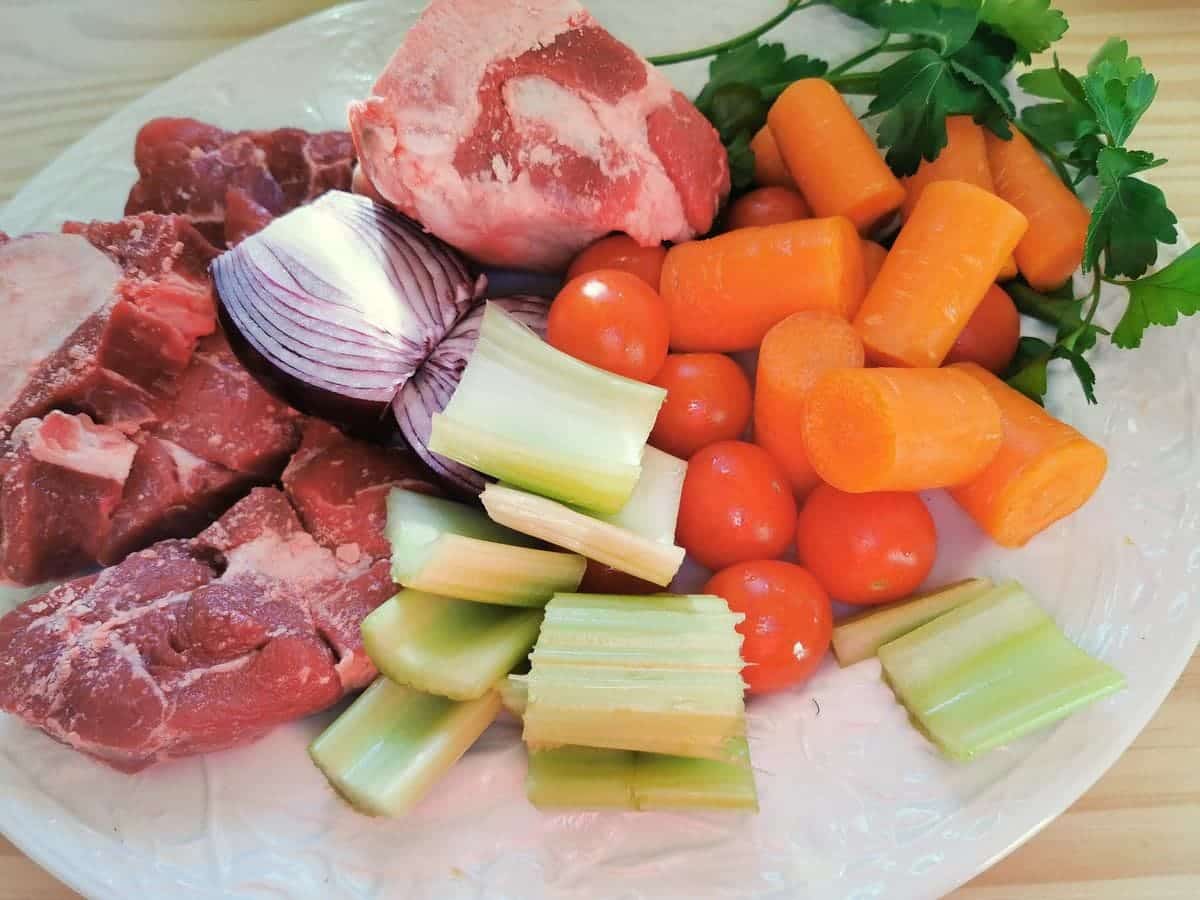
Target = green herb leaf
(1064,312)
(1119,90)
(1081,367)
(948,27)
(916,93)
(1027,371)
(741,161)
(766,67)
(1160,299)
(1033,25)
(1130,218)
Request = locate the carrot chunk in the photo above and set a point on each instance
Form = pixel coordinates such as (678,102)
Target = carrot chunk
(794,354)
(899,429)
(873,256)
(769,168)
(945,258)
(1052,248)
(725,293)
(1045,469)
(839,170)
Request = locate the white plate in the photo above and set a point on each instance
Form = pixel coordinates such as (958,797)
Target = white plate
(854,802)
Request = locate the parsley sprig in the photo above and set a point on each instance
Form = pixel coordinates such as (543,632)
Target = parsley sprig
(953,57)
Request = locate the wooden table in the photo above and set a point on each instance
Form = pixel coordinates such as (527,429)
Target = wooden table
(65,65)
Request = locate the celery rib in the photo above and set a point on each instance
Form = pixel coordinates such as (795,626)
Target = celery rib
(388,748)
(860,637)
(639,539)
(545,422)
(454,648)
(990,671)
(447,548)
(654,674)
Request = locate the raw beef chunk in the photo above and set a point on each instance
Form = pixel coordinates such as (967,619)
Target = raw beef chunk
(521,132)
(61,479)
(206,173)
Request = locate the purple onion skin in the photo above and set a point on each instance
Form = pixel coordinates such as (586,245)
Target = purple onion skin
(360,418)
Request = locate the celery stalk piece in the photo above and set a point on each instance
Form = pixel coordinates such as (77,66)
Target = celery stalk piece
(564,527)
(675,782)
(448,548)
(453,648)
(653,509)
(991,671)
(860,636)
(543,421)
(514,694)
(587,778)
(656,674)
(581,778)
(385,752)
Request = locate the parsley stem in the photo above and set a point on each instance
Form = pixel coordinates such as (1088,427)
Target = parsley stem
(856,82)
(1095,293)
(882,47)
(670,59)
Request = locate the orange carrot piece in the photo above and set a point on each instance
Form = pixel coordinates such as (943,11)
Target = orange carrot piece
(945,258)
(831,156)
(873,256)
(899,429)
(769,168)
(1052,248)
(725,293)
(1045,469)
(794,354)
(964,158)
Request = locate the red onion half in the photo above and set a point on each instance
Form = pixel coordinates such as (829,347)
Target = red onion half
(345,307)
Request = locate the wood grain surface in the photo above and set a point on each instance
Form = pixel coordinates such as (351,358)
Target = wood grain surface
(66,64)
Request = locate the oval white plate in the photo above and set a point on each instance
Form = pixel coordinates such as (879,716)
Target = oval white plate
(854,802)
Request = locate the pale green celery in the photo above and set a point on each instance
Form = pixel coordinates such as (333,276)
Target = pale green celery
(586,778)
(543,421)
(565,527)
(675,782)
(581,778)
(653,509)
(656,674)
(990,671)
(447,548)
(385,752)
(514,694)
(453,648)
(860,636)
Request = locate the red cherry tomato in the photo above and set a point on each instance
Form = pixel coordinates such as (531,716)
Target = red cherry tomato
(612,320)
(620,251)
(788,624)
(766,206)
(601,579)
(708,400)
(992,333)
(866,548)
(736,506)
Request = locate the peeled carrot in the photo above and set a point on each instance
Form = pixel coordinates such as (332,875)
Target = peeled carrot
(1052,248)
(769,168)
(793,355)
(945,258)
(900,429)
(964,158)
(831,156)
(725,293)
(873,256)
(1045,469)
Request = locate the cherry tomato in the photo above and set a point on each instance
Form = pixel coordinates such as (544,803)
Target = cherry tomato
(708,400)
(766,206)
(620,251)
(866,548)
(736,506)
(612,320)
(992,333)
(601,579)
(788,624)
